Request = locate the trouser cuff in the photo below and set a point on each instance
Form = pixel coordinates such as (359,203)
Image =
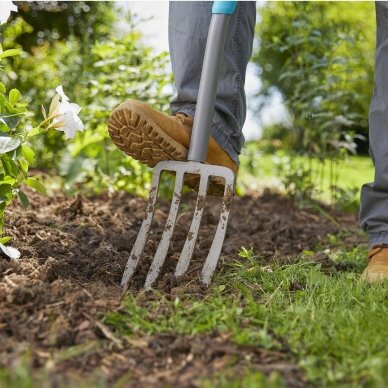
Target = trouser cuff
(216,132)
(380,238)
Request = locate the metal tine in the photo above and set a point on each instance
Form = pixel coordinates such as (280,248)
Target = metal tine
(165,240)
(188,248)
(215,250)
(143,233)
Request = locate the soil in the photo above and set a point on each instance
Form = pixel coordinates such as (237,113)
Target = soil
(74,251)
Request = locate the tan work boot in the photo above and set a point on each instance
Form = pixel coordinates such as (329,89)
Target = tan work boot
(150,136)
(377,268)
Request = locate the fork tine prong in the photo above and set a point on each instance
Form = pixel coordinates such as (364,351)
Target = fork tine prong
(143,233)
(165,240)
(188,248)
(215,250)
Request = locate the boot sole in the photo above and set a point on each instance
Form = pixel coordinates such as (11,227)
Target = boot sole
(145,141)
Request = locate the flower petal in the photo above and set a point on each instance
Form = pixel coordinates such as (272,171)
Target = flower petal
(69,123)
(5,10)
(54,106)
(60,91)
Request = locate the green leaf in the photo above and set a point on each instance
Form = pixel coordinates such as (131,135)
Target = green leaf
(5,190)
(15,154)
(23,164)
(3,126)
(8,144)
(9,179)
(2,88)
(10,53)
(35,131)
(10,167)
(14,96)
(4,239)
(9,120)
(23,199)
(35,184)
(28,153)
(2,101)
(10,108)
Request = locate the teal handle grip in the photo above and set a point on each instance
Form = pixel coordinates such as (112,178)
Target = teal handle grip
(224,7)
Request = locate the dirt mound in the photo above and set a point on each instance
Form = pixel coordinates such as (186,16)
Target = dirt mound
(73,255)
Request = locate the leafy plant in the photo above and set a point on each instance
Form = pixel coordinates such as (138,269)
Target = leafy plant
(16,155)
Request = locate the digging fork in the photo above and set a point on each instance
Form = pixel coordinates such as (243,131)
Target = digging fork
(214,51)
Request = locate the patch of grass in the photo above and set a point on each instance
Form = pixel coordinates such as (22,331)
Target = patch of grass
(333,325)
(22,375)
(250,379)
(19,375)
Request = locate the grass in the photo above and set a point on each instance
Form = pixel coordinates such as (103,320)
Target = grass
(334,325)
(250,379)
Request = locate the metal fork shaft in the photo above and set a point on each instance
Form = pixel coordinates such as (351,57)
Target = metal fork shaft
(208,88)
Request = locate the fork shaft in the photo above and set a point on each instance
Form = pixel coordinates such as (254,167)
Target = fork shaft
(208,88)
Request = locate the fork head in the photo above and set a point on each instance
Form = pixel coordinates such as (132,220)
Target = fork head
(205,172)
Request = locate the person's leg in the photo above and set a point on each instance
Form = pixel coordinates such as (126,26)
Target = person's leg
(374,196)
(188,27)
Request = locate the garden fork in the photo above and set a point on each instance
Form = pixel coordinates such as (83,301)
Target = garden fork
(195,165)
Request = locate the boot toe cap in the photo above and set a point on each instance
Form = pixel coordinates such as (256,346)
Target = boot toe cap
(373,274)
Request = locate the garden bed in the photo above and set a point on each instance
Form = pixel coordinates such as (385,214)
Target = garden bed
(53,300)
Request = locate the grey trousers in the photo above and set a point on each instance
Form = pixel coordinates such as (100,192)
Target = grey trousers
(374,195)
(187,33)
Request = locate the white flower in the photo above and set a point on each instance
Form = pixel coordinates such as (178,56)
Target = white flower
(65,114)
(5,10)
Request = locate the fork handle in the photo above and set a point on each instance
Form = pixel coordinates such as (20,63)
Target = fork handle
(209,80)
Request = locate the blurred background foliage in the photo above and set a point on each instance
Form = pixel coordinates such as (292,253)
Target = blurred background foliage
(99,66)
(50,21)
(318,55)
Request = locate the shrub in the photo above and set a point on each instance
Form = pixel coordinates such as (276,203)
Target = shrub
(98,75)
